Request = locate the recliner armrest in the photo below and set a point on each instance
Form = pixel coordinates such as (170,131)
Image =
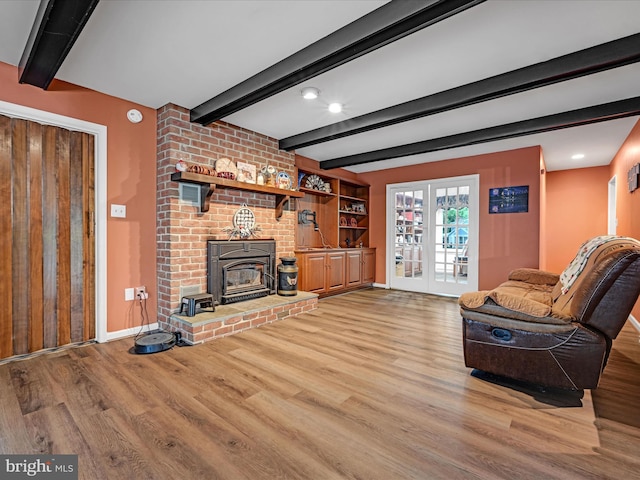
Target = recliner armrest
(534,276)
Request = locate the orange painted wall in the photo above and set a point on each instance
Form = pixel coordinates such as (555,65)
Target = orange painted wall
(576,202)
(627,204)
(131,180)
(506,241)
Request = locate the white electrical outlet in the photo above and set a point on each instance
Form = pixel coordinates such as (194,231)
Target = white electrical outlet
(119,211)
(129,294)
(141,292)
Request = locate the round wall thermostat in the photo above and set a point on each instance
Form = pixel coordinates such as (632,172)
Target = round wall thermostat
(134,116)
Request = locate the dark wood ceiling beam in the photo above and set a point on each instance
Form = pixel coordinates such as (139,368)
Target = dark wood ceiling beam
(574,118)
(56,28)
(592,60)
(389,23)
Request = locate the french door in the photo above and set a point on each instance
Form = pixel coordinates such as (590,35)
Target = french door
(433,235)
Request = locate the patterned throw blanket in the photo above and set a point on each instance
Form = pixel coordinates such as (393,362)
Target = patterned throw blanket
(575,268)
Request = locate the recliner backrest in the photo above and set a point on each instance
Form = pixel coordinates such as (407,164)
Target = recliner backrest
(607,289)
(611,293)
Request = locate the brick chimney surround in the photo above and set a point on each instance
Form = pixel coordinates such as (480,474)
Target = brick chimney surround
(183,231)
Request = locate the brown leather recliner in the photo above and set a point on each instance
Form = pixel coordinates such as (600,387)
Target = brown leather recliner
(554,330)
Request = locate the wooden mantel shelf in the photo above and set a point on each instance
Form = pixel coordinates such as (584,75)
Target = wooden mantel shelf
(210,183)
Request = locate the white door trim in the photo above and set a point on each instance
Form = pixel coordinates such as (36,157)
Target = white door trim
(100,133)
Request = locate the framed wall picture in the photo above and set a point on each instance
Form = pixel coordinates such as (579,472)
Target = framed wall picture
(359,208)
(632,177)
(246,172)
(509,199)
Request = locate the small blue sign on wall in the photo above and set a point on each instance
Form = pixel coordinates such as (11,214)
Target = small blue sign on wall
(509,199)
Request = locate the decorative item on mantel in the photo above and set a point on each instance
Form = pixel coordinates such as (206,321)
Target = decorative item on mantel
(246,172)
(182,166)
(202,170)
(283,181)
(244,224)
(269,174)
(226,168)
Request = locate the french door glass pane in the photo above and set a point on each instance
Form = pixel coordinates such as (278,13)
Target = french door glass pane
(409,215)
(451,234)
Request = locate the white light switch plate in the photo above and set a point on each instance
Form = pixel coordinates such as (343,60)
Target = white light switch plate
(119,211)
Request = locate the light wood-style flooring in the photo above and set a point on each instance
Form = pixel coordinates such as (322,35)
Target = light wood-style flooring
(372,385)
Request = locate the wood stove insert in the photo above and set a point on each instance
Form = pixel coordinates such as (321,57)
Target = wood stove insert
(239,270)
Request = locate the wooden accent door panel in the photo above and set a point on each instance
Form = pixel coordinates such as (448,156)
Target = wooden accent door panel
(47,253)
(368,266)
(314,273)
(336,263)
(354,268)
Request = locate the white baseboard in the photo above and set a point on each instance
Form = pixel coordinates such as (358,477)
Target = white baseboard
(129,332)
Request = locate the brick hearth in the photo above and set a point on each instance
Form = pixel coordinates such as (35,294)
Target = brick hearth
(236,317)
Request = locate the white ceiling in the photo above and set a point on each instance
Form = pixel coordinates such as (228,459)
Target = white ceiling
(186,52)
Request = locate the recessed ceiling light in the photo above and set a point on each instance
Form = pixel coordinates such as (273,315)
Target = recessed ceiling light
(335,108)
(310,93)
(577,156)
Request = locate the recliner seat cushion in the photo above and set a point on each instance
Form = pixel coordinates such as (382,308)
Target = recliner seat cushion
(516,299)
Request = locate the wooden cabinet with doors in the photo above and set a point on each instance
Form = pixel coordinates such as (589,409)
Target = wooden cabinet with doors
(331,271)
(361,267)
(368,266)
(354,268)
(322,272)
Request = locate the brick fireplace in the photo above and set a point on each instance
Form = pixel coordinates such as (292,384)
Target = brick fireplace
(183,230)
